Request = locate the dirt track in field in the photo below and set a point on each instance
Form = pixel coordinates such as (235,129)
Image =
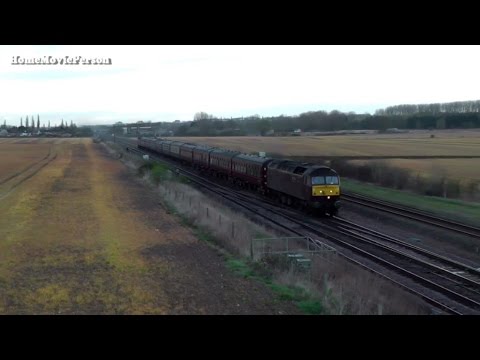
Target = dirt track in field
(83,236)
(15,158)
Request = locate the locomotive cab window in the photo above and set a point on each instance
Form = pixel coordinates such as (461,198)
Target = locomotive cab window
(318,180)
(331,180)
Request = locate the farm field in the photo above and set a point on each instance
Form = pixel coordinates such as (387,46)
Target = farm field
(81,235)
(24,156)
(415,144)
(460,169)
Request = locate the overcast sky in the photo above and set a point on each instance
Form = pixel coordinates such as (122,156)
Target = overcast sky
(165,83)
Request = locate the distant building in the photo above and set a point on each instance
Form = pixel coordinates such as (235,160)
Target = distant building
(3,132)
(394,130)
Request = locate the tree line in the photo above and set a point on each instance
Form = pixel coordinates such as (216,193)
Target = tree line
(432,109)
(208,125)
(32,125)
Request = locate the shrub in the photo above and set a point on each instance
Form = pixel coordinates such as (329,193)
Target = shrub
(365,173)
(157,171)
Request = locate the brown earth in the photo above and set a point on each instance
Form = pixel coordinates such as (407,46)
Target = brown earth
(84,236)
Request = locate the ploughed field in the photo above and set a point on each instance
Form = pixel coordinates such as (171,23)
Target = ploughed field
(80,234)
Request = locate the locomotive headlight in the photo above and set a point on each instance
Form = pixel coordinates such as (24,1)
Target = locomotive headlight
(328,197)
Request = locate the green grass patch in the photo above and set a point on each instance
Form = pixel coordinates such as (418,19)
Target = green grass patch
(292,293)
(305,302)
(239,267)
(183,180)
(312,307)
(463,211)
(203,235)
(158,172)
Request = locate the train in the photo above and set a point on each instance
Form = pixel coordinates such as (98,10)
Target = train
(303,185)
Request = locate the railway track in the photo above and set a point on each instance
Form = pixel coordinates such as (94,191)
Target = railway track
(413,214)
(446,284)
(436,262)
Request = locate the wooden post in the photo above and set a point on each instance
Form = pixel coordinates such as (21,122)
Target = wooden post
(219,219)
(207,212)
(233,230)
(251,248)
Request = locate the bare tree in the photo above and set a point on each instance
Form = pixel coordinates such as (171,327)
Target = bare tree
(202,116)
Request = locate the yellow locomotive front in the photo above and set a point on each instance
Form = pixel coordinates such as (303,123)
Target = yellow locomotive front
(325,189)
(325,186)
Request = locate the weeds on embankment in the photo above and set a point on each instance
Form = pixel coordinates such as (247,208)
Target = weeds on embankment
(330,287)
